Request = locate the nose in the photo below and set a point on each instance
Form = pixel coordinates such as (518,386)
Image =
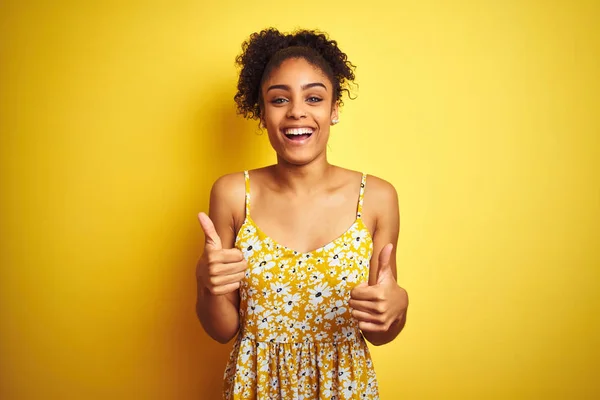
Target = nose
(296,110)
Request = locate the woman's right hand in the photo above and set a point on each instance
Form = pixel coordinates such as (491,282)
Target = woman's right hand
(219,270)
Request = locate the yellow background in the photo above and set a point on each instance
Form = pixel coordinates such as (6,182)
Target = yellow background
(115,119)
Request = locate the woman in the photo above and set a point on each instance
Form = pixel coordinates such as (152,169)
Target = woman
(299,260)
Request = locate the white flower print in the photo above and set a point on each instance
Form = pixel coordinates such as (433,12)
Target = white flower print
(358,238)
(337,309)
(282,338)
(250,245)
(254,307)
(343,278)
(353,277)
(267,318)
(343,374)
(247,353)
(351,255)
(328,391)
(238,388)
(348,332)
(290,301)
(300,263)
(277,253)
(280,288)
(349,389)
(329,246)
(263,263)
(249,230)
(263,365)
(334,257)
(318,293)
(283,264)
(317,276)
(268,244)
(304,326)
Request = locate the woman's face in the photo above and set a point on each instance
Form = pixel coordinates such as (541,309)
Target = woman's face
(297,111)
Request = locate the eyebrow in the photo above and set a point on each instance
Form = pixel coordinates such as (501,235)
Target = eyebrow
(304,87)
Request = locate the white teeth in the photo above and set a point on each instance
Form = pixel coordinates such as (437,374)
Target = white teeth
(299,131)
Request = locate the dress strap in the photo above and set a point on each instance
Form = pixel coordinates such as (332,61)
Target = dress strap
(361,195)
(247,180)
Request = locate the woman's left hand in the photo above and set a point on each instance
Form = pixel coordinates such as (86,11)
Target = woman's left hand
(378,307)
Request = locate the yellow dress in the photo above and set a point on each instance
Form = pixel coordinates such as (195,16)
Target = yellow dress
(297,338)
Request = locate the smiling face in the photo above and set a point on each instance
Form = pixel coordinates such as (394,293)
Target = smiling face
(297,110)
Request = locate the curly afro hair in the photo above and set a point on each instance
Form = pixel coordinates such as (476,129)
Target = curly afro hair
(266,50)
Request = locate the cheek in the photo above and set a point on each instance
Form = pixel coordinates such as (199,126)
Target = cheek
(324,116)
(274,115)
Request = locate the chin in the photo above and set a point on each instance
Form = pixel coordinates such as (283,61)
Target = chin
(297,159)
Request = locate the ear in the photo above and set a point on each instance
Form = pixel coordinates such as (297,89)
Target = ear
(261,119)
(335,113)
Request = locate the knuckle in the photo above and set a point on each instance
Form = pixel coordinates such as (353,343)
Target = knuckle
(213,290)
(212,270)
(211,257)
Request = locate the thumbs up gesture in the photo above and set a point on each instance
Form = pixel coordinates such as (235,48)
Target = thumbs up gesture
(381,303)
(219,270)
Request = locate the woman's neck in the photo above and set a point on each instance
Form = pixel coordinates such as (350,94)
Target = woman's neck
(303,179)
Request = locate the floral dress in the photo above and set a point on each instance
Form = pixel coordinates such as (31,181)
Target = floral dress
(297,338)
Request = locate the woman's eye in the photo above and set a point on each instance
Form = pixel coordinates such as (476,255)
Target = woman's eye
(278,100)
(314,99)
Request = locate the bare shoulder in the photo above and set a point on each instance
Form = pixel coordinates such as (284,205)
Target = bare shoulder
(381,199)
(380,189)
(229,188)
(227,199)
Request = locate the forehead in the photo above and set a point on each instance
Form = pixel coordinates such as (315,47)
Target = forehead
(297,72)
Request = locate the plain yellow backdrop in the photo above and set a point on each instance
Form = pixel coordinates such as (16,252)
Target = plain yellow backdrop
(116,117)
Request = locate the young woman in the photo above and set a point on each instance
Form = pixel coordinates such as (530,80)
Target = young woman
(299,260)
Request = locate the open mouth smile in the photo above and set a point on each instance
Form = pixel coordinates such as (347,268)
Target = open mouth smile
(298,134)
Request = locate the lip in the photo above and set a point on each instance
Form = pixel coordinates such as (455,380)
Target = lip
(296,142)
(284,128)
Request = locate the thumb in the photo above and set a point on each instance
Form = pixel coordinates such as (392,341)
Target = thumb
(210,233)
(385,267)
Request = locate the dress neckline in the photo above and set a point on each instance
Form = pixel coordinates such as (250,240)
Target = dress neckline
(357,222)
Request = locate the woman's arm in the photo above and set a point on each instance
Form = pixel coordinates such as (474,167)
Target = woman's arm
(221,267)
(381,306)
